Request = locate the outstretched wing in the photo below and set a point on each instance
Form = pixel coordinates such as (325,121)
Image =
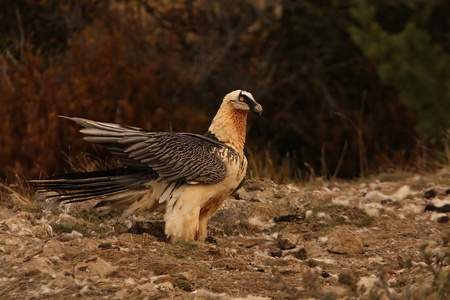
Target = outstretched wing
(176,157)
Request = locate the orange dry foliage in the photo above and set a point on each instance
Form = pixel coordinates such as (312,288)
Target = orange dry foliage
(164,64)
(99,77)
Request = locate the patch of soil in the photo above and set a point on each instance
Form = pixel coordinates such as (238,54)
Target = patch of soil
(268,241)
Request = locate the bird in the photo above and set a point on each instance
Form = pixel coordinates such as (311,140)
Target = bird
(186,176)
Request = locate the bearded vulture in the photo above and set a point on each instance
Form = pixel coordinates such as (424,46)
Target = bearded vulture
(186,175)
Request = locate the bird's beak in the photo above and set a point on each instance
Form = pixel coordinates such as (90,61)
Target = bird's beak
(258,109)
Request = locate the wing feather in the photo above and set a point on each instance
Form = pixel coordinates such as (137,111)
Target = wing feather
(176,157)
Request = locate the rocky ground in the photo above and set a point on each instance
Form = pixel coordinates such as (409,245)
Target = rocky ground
(386,237)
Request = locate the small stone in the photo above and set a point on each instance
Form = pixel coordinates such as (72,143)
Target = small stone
(308,214)
(344,241)
(374,196)
(25,224)
(323,240)
(108,246)
(146,288)
(439,217)
(153,228)
(322,215)
(258,224)
(120,294)
(86,289)
(325,274)
(211,240)
(338,292)
(94,266)
(6,214)
(276,253)
(342,200)
(442,219)
(287,218)
(402,193)
(287,241)
(301,254)
(39,265)
(165,286)
(437,205)
(430,194)
(367,283)
(130,281)
(76,234)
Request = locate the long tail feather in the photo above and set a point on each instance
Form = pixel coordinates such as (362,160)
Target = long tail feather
(78,187)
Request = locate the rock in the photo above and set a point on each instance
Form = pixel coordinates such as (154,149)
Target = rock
(411,208)
(343,241)
(301,254)
(372,211)
(202,294)
(378,260)
(243,194)
(108,246)
(327,261)
(402,193)
(324,216)
(18,201)
(262,197)
(93,266)
(70,221)
(370,284)
(146,288)
(18,224)
(70,236)
(430,194)
(342,200)
(291,269)
(188,275)
(260,184)
(276,253)
(164,286)
(121,294)
(374,196)
(6,214)
(287,218)
(322,240)
(130,281)
(438,205)
(367,283)
(335,290)
(287,241)
(153,228)
(325,274)
(439,217)
(25,223)
(52,247)
(260,225)
(39,265)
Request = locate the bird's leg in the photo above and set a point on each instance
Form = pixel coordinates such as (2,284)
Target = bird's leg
(202,226)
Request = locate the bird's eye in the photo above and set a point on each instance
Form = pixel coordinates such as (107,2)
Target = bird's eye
(241,98)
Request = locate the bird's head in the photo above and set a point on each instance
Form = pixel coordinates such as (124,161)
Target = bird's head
(242,100)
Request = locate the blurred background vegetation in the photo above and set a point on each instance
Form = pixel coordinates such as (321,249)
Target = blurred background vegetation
(349,87)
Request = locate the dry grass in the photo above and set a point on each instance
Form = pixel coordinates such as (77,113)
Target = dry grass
(18,195)
(280,170)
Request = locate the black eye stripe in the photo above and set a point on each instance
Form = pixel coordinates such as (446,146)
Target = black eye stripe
(245,97)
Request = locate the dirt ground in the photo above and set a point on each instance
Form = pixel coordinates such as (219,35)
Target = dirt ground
(378,238)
